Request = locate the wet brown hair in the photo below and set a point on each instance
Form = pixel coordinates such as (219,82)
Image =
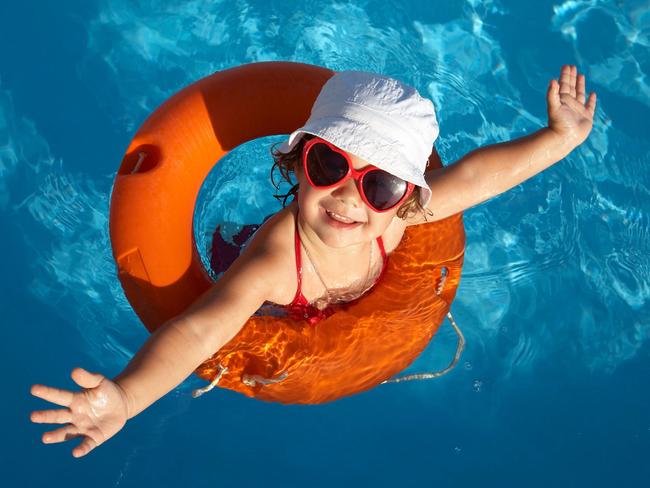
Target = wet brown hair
(286,162)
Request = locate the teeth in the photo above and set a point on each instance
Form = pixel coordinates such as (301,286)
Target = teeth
(340,218)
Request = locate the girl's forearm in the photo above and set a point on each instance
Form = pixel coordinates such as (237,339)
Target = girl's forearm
(168,357)
(177,348)
(497,168)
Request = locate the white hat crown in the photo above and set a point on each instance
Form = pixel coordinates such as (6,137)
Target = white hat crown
(377,118)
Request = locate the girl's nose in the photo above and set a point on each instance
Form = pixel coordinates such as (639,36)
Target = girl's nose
(348,193)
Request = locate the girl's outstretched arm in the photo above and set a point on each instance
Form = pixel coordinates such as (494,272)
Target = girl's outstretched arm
(171,354)
(492,170)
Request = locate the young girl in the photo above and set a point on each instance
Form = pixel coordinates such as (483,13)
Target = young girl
(360,163)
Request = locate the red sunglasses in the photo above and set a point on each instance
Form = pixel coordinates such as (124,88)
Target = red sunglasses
(327,166)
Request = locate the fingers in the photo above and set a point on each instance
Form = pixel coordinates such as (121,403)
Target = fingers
(64,397)
(573,86)
(70,432)
(65,433)
(572,83)
(54,395)
(85,379)
(553,95)
(565,80)
(60,416)
(591,104)
(581,89)
(569,80)
(84,448)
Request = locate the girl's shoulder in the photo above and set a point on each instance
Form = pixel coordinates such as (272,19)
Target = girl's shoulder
(274,240)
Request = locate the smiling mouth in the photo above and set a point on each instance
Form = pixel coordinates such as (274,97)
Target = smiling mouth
(340,218)
(341,221)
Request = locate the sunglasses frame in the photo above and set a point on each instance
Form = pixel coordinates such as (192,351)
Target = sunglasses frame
(355,174)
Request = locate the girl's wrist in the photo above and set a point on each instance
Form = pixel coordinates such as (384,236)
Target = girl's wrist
(129,401)
(560,143)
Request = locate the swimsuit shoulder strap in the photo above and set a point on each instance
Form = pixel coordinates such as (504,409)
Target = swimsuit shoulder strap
(297,297)
(298,260)
(380,243)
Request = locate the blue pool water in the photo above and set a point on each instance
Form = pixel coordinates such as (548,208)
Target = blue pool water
(553,387)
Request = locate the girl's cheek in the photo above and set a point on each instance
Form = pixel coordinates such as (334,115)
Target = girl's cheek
(382,222)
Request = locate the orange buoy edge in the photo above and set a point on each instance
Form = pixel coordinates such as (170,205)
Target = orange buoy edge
(275,359)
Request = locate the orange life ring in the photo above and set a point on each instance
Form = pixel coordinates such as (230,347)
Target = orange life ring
(274,359)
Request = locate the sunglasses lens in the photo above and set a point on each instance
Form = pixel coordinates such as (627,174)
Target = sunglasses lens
(325,166)
(383,190)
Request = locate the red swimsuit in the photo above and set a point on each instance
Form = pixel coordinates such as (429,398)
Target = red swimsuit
(300,308)
(223,253)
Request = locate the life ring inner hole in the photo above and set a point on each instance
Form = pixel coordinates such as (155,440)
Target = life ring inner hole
(236,193)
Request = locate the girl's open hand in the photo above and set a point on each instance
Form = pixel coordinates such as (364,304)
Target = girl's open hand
(96,413)
(568,114)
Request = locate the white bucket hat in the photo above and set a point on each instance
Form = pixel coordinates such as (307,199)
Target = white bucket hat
(376,118)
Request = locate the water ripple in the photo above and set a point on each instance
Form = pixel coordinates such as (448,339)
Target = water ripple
(64,219)
(620,63)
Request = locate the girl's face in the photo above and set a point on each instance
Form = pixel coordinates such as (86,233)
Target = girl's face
(338,215)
